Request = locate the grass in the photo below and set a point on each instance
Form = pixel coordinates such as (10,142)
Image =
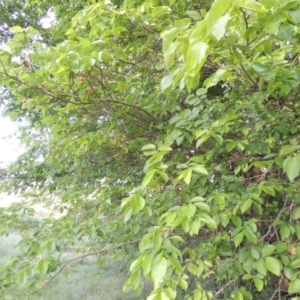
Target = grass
(85,281)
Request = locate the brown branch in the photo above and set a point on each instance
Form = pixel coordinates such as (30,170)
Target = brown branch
(247,74)
(114,100)
(82,257)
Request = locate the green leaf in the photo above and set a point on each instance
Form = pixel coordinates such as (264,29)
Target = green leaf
(168,37)
(135,279)
(268,250)
(165,148)
(259,284)
(42,266)
(190,211)
(285,150)
(218,139)
(250,4)
(196,56)
(284,231)
(285,32)
(204,28)
(21,277)
(187,175)
(260,68)
(148,147)
(251,236)
(295,15)
(246,205)
(159,270)
(166,82)
(207,220)
(16,29)
(176,264)
(157,239)
(148,178)
(163,175)
(248,264)
(291,166)
(273,265)
(237,295)
(254,253)
(195,227)
(238,238)
(193,14)
(294,286)
(236,221)
(202,206)
(261,267)
(267,189)
(219,28)
(147,262)
(183,284)
(296,213)
(295,263)
(200,169)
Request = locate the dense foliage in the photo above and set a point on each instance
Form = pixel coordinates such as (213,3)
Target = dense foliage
(167,134)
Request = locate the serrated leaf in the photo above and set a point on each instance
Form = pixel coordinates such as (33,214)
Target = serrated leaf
(273,265)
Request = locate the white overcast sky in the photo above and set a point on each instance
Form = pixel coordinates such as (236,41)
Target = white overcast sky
(10,147)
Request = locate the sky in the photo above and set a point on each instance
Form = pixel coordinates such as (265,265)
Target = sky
(10,147)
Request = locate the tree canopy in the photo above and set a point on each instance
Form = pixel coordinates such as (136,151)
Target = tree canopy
(167,135)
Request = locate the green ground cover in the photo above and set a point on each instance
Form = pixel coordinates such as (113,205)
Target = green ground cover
(85,281)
